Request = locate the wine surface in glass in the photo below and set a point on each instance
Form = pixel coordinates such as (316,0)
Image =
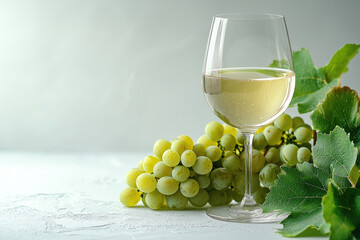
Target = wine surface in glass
(248,98)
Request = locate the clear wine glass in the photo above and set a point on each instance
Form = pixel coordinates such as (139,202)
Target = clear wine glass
(248,81)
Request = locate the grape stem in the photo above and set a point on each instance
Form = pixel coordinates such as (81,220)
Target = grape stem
(288,138)
(221,148)
(238,149)
(248,199)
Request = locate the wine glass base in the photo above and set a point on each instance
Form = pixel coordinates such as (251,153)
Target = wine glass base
(244,214)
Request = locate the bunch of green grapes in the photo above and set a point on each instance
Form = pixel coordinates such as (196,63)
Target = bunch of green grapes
(285,142)
(211,171)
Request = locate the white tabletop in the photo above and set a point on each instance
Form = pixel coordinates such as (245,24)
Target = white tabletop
(76,196)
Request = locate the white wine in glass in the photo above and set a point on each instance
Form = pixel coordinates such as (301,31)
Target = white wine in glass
(248,81)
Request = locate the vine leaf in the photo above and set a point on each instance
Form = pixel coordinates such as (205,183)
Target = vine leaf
(297,223)
(340,60)
(340,108)
(336,153)
(313,83)
(342,212)
(298,189)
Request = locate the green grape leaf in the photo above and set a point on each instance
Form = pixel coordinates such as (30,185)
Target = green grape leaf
(297,223)
(310,85)
(340,60)
(341,107)
(308,77)
(342,212)
(298,189)
(309,102)
(336,153)
(313,83)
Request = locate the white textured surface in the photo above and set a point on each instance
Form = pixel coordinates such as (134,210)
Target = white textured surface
(76,197)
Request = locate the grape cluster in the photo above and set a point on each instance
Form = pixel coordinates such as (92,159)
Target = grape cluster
(212,170)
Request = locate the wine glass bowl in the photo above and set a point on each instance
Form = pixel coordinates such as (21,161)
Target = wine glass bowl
(248,98)
(248,81)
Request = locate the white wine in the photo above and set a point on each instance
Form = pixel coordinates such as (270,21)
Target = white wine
(248,98)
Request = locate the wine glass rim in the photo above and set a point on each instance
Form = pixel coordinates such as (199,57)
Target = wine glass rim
(244,16)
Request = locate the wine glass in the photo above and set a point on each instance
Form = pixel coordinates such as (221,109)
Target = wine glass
(248,81)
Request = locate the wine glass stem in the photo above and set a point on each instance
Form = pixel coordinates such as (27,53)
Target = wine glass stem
(248,199)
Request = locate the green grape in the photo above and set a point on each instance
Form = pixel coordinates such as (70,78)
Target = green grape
(214,131)
(239,182)
(206,141)
(229,154)
(229,130)
(140,165)
(189,188)
(180,173)
(272,155)
(149,163)
(188,158)
(272,135)
(160,147)
(297,121)
(303,134)
(213,153)
(217,197)
(146,182)
(284,122)
(221,178)
(288,154)
(261,130)
(229,196)
(171,158)
(130,196)
(306,126)
(162,170)
(258,161)
(188,141)
(237,195)
(255,182)
(303,155)
(179,145)
(155,200)
(242,160)
(269,174)
(203,165)
(203,180)
(240,137)
(200,199)
(176,201)
(259,141)
(199,149)
(131,176)
(231,163)
(261,194)
(228,141)
(167,185)
(143,196)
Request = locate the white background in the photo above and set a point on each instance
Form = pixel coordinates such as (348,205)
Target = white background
(107,76)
